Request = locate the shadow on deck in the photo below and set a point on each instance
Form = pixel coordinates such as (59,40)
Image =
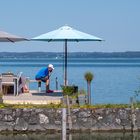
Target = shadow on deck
(59,94)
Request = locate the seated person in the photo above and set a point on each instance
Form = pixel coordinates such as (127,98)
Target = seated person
(44,75)
(22,85)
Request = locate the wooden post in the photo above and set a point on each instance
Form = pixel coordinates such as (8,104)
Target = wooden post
(69,114)
(63,123)
(56,82)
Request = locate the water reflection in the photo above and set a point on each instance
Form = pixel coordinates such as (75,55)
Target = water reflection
(106,136)
(76,136)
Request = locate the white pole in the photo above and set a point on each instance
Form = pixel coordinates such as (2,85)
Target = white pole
(63,123)
(69,113)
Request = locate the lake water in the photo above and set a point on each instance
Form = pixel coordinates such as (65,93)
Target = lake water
(77,136)
(115,80)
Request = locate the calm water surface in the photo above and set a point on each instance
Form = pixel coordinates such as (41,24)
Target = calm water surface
(115,80)
(83,136)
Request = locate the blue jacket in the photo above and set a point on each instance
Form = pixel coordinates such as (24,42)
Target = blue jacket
(42,73)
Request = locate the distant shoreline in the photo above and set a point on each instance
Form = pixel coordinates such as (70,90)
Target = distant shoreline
(56,55)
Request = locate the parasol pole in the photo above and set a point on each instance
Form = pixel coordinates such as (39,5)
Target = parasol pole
(65,69)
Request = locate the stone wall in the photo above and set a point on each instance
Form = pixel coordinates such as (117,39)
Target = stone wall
(82,119)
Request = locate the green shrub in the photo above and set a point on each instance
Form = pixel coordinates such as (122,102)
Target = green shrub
(68,90)
(21,106)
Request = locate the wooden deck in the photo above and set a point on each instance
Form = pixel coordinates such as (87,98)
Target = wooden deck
(34,97)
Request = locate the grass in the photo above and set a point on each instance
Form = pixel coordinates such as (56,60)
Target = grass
(97,106)
(30,106)
(56,106)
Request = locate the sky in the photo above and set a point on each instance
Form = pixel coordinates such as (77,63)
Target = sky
(115,21)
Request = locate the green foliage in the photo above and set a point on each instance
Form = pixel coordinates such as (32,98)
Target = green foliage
(137,104)
(30,106)
(55,106)
(2,106)
(113,106)
(88,76)
(80,92)
(102,106)
(68,90)
(74,96)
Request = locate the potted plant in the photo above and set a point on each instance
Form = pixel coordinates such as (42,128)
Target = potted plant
(71,92)
(68,90)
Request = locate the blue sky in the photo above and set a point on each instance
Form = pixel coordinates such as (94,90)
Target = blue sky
(116,21)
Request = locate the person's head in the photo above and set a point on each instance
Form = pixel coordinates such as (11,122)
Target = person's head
(50,68)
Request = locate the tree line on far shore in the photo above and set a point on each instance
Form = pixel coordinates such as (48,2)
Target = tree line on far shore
(70,54)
